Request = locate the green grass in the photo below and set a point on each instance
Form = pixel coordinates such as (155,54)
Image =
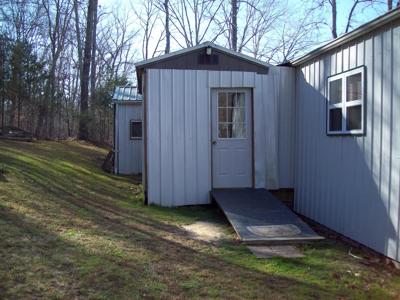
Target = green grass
(69,230)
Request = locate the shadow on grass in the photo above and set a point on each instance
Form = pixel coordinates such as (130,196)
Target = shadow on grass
(3,178)
(87,233)
(83,271)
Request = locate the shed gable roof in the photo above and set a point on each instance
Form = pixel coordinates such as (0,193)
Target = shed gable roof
(186,59)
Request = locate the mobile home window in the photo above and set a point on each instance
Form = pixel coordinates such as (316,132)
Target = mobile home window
(135,129)
(345,109)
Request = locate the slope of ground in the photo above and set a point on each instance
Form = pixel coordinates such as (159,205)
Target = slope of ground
(69,230)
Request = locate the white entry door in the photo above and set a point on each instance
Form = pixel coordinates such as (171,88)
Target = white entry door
(231,138)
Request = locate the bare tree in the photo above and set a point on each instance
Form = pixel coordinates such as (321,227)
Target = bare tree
(233,27)
(58,15)
(390,4)
(164,6)
(93,58)
(353,8)
(78,35)
(194,20)
(334,18)
(115,47)
(83,122)
(294,37)
(149,17)
(258,19)
(356,6)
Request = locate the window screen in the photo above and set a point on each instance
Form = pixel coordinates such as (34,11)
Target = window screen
(136,130)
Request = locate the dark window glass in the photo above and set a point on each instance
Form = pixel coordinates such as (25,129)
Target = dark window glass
(136,129)
(335,91)
(223,130)
(335,119)
(231,99)
(222,100)
(222,114)
(353,117)
(353,88)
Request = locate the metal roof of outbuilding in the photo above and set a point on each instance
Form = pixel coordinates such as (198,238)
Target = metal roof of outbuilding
(126,94)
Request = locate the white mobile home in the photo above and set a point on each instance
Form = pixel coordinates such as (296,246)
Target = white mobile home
(347,147)
(326,127)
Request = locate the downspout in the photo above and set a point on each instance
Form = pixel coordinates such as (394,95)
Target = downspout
(144,107)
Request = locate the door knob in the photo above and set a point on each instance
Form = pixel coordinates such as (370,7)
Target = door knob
(214,142)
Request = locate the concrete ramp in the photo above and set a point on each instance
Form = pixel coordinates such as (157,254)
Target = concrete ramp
(258,217)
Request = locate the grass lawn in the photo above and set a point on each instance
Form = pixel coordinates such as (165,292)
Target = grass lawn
(69,230)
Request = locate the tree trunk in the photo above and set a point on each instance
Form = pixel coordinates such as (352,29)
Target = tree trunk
(78,36)
(19,112)
(84,117)
(50,98)
(390,4)
(334,19)
(93,64)
(234,28)
(167,31)
(3,89)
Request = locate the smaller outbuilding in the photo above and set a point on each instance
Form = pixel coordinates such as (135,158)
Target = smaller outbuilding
(128,145)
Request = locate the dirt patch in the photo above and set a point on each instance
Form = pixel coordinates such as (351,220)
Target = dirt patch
(205,231)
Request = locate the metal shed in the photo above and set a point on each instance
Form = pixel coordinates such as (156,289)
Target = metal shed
(351,182)
(214,118)
(128,144)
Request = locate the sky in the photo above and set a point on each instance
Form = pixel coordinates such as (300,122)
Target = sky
(125,6)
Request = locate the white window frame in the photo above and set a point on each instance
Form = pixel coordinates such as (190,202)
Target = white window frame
(345,104)
(130,130)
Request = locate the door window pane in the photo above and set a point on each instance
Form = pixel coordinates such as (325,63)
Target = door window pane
(222,100)
(335,91)
(335,119)
(231,99)
(236,114)
(238,130)
(239,100)
(231,115)
(223,130)
(353,117)
(222,114)
(353,88)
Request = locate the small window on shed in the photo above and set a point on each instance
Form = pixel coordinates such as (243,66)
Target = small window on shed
(345,109)
(135,129)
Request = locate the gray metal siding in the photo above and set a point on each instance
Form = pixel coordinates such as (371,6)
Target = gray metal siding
(129,152)
(351,183)
(286,117)
(179,120)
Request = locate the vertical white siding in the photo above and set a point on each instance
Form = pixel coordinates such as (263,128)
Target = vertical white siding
(179,120)
(352,183)
(129,152)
